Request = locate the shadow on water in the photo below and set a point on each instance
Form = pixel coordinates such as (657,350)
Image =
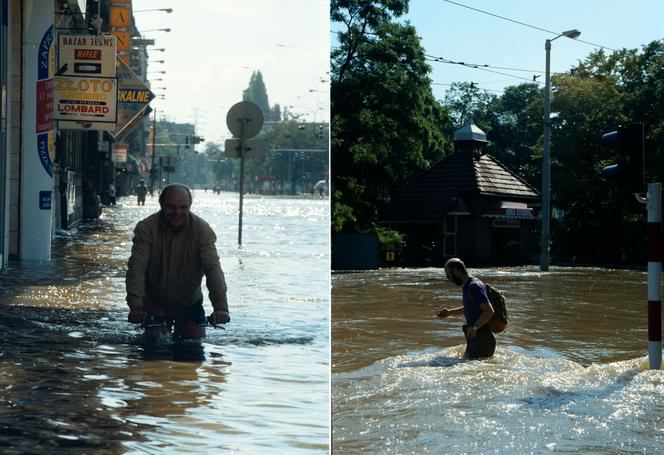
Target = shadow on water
(439,361)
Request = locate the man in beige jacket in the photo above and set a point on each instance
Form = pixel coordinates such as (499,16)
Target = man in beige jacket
(172,250)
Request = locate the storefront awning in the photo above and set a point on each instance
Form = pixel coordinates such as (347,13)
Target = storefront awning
(508,209)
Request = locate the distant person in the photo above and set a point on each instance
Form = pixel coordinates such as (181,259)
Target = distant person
(476,308)
(172,250)
(111,193)
(141,190)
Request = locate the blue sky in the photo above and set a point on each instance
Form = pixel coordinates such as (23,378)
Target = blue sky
(460,34)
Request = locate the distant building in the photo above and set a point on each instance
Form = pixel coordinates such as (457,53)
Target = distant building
(468,205)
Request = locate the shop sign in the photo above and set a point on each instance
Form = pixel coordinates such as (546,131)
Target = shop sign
(85,99)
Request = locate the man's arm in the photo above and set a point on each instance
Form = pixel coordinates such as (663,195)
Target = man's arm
(136,270)
(485,316)
(214,277)
(446,312)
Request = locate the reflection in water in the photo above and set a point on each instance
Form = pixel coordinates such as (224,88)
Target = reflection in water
(569,375)
(77,378)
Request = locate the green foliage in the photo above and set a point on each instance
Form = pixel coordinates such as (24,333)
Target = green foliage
(387,126)
(389,239)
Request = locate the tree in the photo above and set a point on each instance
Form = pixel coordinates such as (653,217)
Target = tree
(256,92)
(386,124)
(514,127)
(466,101)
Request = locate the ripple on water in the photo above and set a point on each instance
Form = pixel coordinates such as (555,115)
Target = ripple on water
(520,401)
(77,377)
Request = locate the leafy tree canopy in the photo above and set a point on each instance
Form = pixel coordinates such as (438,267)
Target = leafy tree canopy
(387,126)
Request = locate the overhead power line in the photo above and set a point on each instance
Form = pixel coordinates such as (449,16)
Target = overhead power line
(523,23)
(482,68)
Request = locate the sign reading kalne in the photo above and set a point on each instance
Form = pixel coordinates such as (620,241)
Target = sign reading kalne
(87,55)
(85,99)
(133,98)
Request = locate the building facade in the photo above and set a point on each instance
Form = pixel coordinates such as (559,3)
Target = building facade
(52,175)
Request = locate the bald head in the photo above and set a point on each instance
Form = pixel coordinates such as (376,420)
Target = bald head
(174,188)
(455,271)
(175,201)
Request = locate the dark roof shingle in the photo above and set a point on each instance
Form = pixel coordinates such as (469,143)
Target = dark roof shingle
(425,198)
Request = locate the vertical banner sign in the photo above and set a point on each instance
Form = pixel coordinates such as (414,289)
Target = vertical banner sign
(44,105)
(37,135)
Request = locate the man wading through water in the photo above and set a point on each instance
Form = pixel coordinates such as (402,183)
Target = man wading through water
(172,250)
(477,309)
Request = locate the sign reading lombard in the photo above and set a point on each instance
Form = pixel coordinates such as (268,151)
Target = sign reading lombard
(85,99)
(85,88)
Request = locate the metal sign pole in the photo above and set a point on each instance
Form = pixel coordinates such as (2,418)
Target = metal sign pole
(654,202)
(244,120)
(242,139)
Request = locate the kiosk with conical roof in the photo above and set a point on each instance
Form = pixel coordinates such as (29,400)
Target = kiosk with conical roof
(468,205)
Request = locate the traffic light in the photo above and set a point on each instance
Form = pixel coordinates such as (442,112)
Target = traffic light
(186,142)
(628,172)
(197,139)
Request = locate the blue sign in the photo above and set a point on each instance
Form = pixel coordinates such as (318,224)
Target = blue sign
(45,198)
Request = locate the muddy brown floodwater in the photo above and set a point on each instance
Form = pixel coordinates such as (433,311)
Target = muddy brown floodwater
(569,375)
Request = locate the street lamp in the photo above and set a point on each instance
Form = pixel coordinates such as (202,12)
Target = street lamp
(546,163)
(167,30)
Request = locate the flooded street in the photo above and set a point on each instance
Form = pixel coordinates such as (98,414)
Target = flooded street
(75,376)
(569,375)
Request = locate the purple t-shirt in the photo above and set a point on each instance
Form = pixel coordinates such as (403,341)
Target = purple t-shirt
(471,306)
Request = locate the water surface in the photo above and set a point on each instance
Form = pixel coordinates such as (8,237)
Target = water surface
(75,377)
(569,375)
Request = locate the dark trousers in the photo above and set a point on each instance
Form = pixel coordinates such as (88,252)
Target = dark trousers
(189,322)
(483,345)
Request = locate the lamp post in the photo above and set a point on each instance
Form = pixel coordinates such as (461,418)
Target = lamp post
(546,163)
(154,140)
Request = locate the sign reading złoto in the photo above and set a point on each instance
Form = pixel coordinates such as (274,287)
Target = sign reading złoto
(85,99)
(85,87)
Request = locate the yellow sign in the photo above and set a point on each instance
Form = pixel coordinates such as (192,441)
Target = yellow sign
(85,99)
(120,17)
(125,58)
(123,40)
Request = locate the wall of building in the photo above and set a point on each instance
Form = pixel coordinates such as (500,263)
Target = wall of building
(15,114)
(5,58)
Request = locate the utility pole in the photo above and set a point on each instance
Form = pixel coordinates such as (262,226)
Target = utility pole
(154,139)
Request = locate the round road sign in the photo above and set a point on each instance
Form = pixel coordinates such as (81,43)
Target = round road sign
(247,114)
